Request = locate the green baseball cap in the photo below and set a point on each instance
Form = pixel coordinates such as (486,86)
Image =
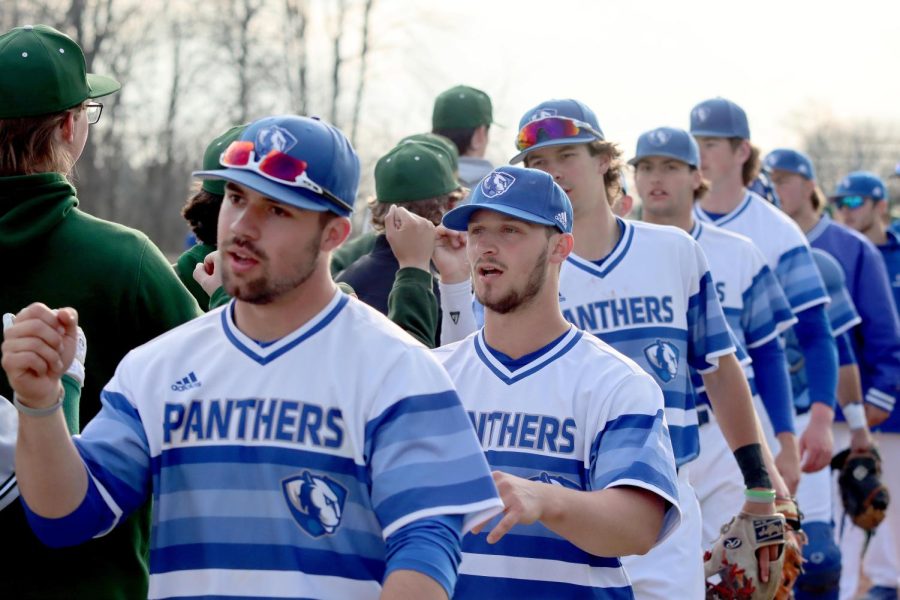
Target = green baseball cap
(413,171)
(42,71)
(461,107)
(212,154)
(438,142)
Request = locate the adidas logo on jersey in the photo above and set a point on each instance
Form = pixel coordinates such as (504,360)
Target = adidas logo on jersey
(186,383)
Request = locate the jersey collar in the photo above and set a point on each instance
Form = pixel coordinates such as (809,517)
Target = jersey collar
(818,229)
(557,349)
(701,214)
(604,266)
(266,354)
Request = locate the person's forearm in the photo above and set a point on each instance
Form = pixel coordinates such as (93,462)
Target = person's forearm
(52,478)
(403,585)
(457,320)
(616,521)
(732,404)
(849,385)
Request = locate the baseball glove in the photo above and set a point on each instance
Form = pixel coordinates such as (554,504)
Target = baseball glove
(794,540)
(733,558)
(864,497)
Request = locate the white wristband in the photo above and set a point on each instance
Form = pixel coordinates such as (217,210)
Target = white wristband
(855,415)
(40,412)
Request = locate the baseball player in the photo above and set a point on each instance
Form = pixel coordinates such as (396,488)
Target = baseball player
(647,291)
(464,115)
(730,162)
(668,180)
(280,436)
(574,430)
(861,200)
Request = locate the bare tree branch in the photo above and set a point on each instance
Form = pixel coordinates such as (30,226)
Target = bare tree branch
(363,63)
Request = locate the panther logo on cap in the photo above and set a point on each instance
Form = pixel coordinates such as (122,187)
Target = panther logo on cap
(878,192)
(659,137)
(543,114)
(802,169)
(274,138)
(701,113)
(496,184)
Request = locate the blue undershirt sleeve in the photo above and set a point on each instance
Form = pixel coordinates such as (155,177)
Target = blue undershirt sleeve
(429,546)
(773,382)
(846,356)
(820,353)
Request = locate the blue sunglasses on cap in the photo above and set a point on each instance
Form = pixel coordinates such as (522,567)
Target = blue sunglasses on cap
(849,201)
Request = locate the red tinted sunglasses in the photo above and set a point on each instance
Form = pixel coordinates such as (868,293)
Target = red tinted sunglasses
(552,128)
(277,166)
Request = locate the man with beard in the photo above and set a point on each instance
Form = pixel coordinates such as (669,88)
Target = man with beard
(574,430)
(274,433)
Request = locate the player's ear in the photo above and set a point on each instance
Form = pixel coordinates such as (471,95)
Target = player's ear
(561,245)
(335,232)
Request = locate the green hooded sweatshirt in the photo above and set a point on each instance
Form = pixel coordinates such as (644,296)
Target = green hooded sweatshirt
(126,293)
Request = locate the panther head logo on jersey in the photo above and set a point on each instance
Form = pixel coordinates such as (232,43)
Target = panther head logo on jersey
(316,502)
(702,113)
(659,137)
(545,477)
(496,184)
(663,357)
(274,138)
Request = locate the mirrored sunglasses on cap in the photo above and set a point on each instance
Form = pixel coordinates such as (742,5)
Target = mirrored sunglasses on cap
(276,166)
(849,201)
(552,128)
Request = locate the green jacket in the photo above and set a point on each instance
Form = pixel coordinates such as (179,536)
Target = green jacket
(126,293)
(184,267)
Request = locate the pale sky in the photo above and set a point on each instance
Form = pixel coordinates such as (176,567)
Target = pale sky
(639,64)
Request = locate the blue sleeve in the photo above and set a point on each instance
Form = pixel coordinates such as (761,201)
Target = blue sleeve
(430,546)
(820,353)
(846,356)
(774,384)
(879,335)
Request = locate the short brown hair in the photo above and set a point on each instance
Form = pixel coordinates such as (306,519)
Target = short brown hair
(818,199)
(27,146)
(432,209)
(751,166)
(701,191)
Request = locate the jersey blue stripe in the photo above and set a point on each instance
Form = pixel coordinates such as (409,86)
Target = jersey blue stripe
(800,278)
(535,462)
(409,405)
(264,557)
(478,588)
(243,455)
(419,497)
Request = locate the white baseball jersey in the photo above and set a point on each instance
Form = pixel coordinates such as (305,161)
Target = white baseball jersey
(577,414)
(754,304)
(653,300)
(782,243)
(280,469)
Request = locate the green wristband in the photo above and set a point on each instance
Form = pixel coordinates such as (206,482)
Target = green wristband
(760,496)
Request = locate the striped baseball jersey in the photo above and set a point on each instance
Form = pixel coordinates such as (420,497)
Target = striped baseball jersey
(280,469)
(653,300)
(576,414)
(755,306)
(783,245)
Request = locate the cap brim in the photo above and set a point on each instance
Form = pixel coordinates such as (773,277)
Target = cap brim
(634,161)
(293,196)
(578,139)
(458,218)
(101,85)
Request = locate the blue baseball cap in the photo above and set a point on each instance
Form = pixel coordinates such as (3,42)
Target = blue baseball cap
(861,183)
(669,142)
(525,194)
(568,109)
(792,161)
(301,161)
(718,117)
